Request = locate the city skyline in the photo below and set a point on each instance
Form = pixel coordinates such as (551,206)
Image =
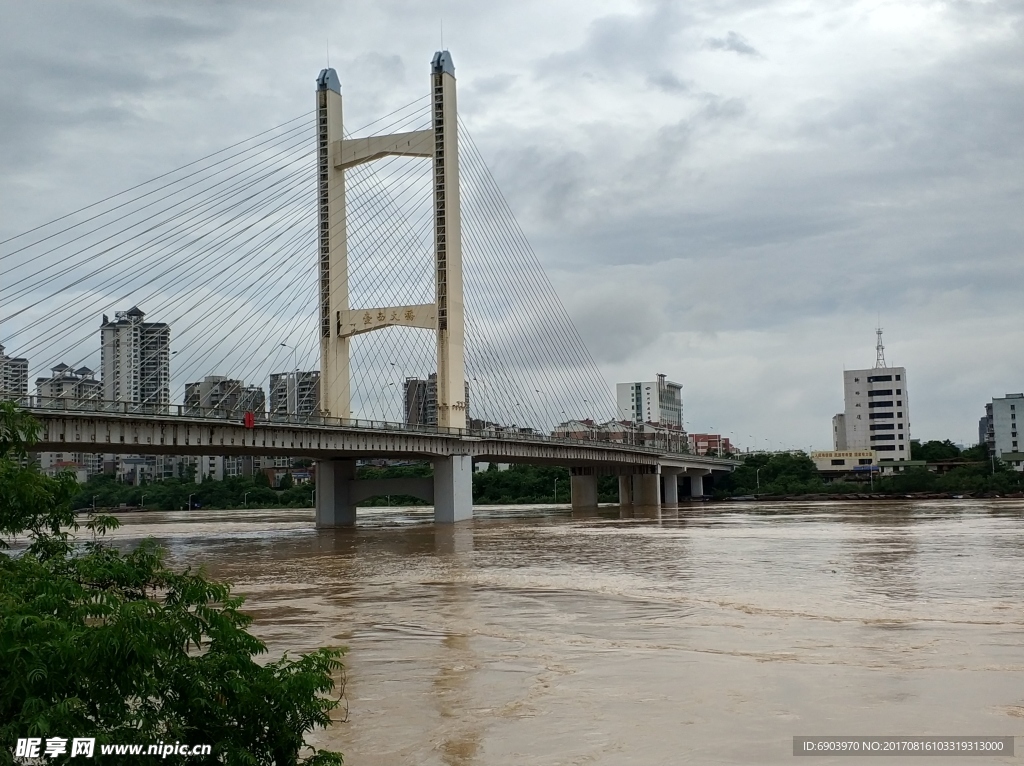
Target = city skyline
(797,192)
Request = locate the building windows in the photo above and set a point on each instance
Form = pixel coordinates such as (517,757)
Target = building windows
(864,461)
(899,402)
(875,415)
(901,426)
(899,414)
(883,427)
(885,448)
(839,462)
(880,378)
(897,377)
(899,391)
(884,437)
(880,404)
(880,392)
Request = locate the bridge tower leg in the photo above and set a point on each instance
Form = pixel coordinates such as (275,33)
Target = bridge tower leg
(453,489)
(335,382)
(335,505)
(451,373)
(583,484)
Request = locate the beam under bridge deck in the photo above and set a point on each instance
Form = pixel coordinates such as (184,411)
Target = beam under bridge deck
(337,447)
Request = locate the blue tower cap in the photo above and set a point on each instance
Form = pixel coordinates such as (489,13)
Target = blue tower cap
(328,80)
(443,63)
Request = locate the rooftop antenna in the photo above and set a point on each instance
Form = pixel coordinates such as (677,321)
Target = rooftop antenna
(879,350)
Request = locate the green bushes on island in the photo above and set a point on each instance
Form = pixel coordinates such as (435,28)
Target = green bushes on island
(96,642)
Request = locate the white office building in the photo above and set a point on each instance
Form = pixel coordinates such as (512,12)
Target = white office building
(877,410)
(657,401)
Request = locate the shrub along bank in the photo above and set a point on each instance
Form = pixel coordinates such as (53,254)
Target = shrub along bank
(795,474)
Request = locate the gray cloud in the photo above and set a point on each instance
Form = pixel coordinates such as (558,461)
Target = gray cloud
(739,222)
(733,41)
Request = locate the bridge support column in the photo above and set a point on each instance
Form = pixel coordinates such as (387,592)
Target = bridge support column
(625,490)
(671,478)
(697,481)
(583,483)
(647,489)
(335,506)
(453,489)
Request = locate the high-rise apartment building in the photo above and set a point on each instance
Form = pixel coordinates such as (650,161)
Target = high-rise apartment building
(13,377)
(877,411)
(135,360)
(221,395)
(1005,415)
(421,401)
(72,389)
(295,393)
(68,387)
(658,401)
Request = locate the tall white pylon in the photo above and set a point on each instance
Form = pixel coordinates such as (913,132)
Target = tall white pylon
(446,316)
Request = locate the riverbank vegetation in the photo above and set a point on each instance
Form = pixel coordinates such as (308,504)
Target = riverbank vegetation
(966,472)
(98,642)
(520,484)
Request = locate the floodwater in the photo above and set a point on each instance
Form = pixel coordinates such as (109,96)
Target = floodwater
(711,634)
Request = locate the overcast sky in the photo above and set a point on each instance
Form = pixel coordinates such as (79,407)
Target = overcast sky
(730,192)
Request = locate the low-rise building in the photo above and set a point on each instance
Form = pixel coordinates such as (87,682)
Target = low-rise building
(845,461)
(709,444)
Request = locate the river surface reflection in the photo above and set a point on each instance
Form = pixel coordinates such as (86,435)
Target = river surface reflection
(705,635)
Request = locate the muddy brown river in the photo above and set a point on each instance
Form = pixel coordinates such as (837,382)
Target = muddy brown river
(711,634)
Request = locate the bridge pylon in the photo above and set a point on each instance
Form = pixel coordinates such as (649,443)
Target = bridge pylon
(446,315)
(338,490)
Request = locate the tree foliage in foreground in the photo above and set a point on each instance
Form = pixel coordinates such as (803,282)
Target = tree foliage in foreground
(95,642)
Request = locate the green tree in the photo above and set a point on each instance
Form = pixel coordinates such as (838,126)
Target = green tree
(932,451)
(114,645)
(779,473)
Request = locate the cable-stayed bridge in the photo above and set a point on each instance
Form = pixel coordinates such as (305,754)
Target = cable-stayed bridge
(380,268)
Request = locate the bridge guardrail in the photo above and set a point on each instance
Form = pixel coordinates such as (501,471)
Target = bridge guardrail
(51,405)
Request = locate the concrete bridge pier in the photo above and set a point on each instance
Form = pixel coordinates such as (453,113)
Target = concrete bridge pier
(697,481)
(625,490)
(338,491)
(647,488)
(583,483)
(335,505)
(670,476)
(453,489)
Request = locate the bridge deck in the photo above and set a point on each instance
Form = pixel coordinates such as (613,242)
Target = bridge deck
(127,432)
